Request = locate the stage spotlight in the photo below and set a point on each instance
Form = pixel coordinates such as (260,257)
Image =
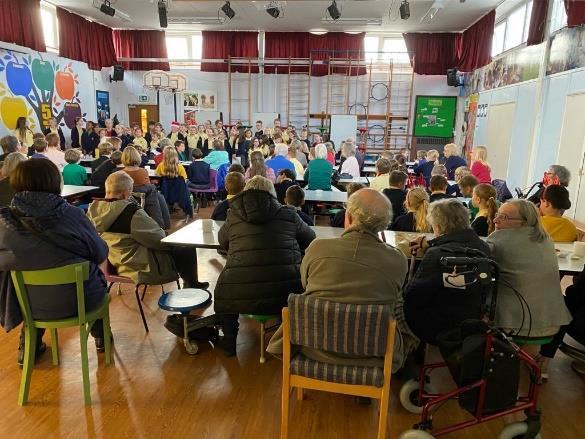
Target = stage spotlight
(273,10)
(405,10)
(228,11)
(162,14)
(107,9)
(334,11)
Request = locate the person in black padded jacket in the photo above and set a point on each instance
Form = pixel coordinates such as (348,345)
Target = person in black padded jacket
(264,242)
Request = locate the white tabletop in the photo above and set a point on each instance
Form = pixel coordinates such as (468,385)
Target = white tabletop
(369,170)
(362,180)
(326,196)
(192,235)
(71,190)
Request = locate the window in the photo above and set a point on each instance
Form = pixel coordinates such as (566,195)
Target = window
(512,30)
(50,29)
(371,48)
(558,18)
(395,49)
(178,47)
(184,46)
(196,46)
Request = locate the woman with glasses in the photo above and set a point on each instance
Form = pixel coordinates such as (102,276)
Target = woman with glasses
(529,303)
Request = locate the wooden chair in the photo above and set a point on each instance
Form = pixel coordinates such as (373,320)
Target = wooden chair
(69,274)
(357,330)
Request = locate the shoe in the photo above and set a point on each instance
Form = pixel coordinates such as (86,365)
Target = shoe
(543,365)
(228,345)
(100,345)
(40,351)
(579,367)
(198,285)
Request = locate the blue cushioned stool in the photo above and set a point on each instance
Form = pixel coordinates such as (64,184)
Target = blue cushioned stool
(184,301)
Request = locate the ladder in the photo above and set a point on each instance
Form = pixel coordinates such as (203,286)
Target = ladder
(237,78)
(298,94)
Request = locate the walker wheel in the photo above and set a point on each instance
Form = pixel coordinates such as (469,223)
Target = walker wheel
(516,430)
(415,434)
(191,346)
(409,396)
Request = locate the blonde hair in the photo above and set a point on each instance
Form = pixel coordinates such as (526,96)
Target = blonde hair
(487,193)
(131,156)
(418,204)
(72,156)
(262,184)
(105,148)
(480,154)
(170,162)
(10,163)
(432,155)
(452,148)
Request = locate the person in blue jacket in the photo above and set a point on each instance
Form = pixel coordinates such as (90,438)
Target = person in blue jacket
(454,160)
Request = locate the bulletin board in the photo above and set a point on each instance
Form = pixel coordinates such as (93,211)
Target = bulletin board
(434,116)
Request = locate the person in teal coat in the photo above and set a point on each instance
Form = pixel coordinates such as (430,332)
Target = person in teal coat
(319,171)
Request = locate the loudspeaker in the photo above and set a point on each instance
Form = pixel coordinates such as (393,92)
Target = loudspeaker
(453,78)
(118,74)
(162,14)
(405,10)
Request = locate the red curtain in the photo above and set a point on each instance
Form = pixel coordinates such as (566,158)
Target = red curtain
(222,45)
(575,12)
(317,47)
(537,22)
(433,54)
(474,46)
(20,23)
(141,44)
(85,41)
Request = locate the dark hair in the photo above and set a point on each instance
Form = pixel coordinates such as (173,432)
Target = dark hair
(287,173)
(38,175)
(40,145)
(438,183)
(218,145)
(197,154)
(354,187)
(397,177)
(234,183)
(383,166)
(468,181)
(295,196)
(236,167)
(116,158)
(557,195)
(179,143)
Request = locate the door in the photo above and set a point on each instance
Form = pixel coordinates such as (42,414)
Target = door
(570,153)
(499,136)
(141,114)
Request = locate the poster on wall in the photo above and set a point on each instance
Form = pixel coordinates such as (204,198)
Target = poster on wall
(567,50)
(102,100)
(511,68)
(471,119)
(434,116)
(39,86)
(200,100)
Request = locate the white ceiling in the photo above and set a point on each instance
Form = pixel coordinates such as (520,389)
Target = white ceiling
(299,15)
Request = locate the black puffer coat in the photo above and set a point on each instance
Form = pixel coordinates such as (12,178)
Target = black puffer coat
(264,242)
(431,303)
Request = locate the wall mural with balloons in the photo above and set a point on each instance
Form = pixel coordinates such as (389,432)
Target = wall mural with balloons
(40,86)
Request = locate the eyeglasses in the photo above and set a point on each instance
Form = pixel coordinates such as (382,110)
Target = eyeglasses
(504,217)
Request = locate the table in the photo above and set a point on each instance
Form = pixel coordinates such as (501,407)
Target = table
(369,170)
(192,235)
(325,196)
(71,190)
(361,180)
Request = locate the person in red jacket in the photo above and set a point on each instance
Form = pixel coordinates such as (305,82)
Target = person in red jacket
(480,168)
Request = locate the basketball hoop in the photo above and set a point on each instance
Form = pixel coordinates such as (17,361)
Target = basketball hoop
(171,82)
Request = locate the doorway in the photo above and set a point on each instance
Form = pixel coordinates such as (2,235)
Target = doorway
(499,136)
(141,115)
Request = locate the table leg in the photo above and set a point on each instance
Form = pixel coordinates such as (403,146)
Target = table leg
(198,284)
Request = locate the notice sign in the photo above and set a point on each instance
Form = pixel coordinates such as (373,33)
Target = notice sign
(435,116)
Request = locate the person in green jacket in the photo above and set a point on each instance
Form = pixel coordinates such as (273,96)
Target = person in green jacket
(73,172)
(319,171)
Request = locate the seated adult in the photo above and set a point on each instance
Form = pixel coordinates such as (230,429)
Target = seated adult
(338,220)
(556,174)
(453,161)
(105,149)
(356,268)
(280,160)
(134,238)
(9,144)
(396,192)
(131,160)
(319,171)
(264,242)
(350,165)
(415,218)
(438,187)
(40,230)
(11,161)
(301,157)
(382,179)
(217,156)
(431,304)
(553,203)
(98,177)
(528,267)
(426,167)
(259,167)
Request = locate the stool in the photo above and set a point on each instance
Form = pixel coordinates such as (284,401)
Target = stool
(262,319)
(185,301)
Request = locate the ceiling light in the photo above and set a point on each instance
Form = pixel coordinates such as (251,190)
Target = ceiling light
(107,9)
(228,11)
(274,9)
(334,11)
(354,21)
(405,10)
(162,14)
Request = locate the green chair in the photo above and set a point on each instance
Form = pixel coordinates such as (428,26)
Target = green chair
(69,274)
(262,319)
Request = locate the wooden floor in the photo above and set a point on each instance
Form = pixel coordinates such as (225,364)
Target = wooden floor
(154,389)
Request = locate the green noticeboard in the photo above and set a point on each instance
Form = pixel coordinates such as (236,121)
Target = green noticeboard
(435,116)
